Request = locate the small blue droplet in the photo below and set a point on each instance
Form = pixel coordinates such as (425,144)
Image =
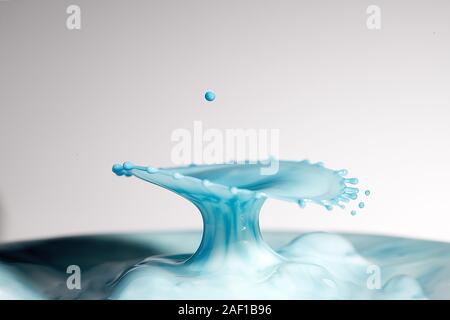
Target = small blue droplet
(367,192)
(117,168)
(210,96)
(361,205)
(128,165)
(353,213)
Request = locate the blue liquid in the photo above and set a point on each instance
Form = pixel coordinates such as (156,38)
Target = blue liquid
(37,269)
(233,260)
(210,96)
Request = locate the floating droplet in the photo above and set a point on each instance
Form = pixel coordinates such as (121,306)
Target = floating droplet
(210,96)
(367,192)
(361,205)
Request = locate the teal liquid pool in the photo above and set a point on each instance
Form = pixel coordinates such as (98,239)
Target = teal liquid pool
(37,269)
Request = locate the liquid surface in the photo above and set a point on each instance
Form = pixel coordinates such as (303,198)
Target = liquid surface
(37,269)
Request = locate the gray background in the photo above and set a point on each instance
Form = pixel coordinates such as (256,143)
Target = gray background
(72,103)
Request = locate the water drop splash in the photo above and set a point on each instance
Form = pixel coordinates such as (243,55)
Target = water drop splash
(296,181)
(233,260)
